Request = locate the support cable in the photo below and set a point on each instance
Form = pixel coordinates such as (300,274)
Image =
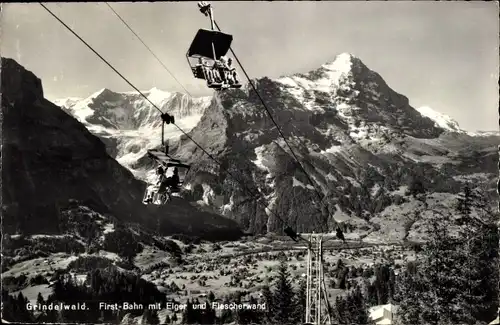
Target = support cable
(148,48)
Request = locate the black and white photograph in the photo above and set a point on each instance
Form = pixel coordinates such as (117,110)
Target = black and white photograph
(250,162)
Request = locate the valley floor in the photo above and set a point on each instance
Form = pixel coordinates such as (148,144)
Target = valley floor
(222,269)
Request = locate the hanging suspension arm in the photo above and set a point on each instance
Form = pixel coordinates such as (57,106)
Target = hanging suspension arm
(206,9)
(166,119)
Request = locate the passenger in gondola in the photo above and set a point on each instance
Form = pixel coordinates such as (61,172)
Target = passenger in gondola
(227,66)
(149,198)
(214,70)
(222,61)
(173,181)
(208,71)
(203,70)
(163,181)
(199,68)
(221,66)
(217,75)
(160,172)
(160,179)
(233,76)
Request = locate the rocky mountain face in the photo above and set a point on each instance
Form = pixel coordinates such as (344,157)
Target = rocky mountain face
(361,143)
(50,160)
(128,124)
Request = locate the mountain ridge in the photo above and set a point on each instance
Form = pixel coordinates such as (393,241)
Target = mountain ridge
(348,128)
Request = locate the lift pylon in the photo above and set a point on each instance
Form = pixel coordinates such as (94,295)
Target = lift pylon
(317,304)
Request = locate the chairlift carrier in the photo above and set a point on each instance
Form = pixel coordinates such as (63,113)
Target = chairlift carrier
(168,162)
(165,160)
(212,45)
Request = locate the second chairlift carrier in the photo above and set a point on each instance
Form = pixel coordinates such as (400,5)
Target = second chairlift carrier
(154,193)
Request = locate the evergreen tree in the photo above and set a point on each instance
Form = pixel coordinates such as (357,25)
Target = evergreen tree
(211,297)
(197,313)
(372,297)
(416,186)
(391,285)
(357,307)
(242,316)
(208,315)
(39,299)
(407,295)
(256,316)
(464,203)
(283,297)
(446,288)
(226,314)
(23,314)
(300,303)
(481,237)
(150,317)
(351,309)
(485,248)
(340,264)
(342,279)
(188,315)
(267,296)
(443,281)
(339,310)
(12,310)
(383,285)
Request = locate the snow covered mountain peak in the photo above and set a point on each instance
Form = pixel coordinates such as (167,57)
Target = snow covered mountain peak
(336,77)
(342,63)
(333,79)
(154,89)
(443,121)
(100,93)
(158,96)
(484,134)
(358,100)
(128,123)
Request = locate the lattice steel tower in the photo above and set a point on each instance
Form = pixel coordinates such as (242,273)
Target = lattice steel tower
(317,304)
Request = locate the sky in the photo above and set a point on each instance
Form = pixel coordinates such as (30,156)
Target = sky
(439,54)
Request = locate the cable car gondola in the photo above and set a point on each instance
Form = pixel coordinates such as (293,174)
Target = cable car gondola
(207,56)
